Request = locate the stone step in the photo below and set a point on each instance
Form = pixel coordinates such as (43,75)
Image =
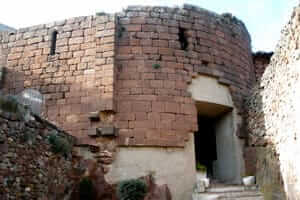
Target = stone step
(231,189)
(229,193)
(205,196)
(238,194)
(242,198)
(230,196)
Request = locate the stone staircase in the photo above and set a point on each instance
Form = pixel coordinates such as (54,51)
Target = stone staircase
(229,192)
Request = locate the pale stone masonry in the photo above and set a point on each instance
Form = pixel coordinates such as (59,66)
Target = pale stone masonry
(273,119)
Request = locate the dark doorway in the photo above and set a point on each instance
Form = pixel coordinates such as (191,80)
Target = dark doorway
(205,144)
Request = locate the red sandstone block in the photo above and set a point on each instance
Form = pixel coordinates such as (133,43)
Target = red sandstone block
(76,40)
(142,124)
(88,45)
(148,91)
(133,28)
(136,50)
(124,50)
(90,52)
(166,51)
(74,47)
(148,76)
(73,100)
(169,84)
(167,117)
(146,42)
(137,20)
(108,54)
(125,116)
(149,28)
(130,83)
(105,40)
(147,35)
(136,91)
(141,106)
(188,109)
(180,85)
(168,58)
(156,83)
(141,116)
(160,43)
(150,50)
(78,54)
(14,56)
(158,106)
(134,42)
(175,77)
(122,124)
(125,106)
(172,107)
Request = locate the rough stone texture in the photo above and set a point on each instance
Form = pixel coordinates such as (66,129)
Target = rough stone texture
(273,121)
(108,63)
(28,167)
(75,81)
(261,60)
(154,107)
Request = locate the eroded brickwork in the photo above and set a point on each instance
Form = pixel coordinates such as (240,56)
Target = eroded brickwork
(261,60)
(76,80)
(159,51)
(133,67)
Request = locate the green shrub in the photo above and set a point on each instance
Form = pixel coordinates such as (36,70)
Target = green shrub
(200,167)
(133,189)
(156,66)
(59,144)
(9,103)
(86,189)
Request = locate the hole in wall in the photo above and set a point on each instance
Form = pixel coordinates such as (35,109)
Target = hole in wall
(53,42)
(183,39)
(204,63)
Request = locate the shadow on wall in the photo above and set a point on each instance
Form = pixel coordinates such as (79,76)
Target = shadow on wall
(261,157)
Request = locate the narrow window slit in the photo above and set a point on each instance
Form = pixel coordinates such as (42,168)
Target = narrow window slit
(53,42)
(182,39)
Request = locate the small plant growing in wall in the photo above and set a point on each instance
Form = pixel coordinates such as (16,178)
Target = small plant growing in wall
(200,167)
(59,144)
(133,189)
(156,66)
(9,104)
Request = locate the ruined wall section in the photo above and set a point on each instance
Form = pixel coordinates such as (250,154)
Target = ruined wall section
(159,51)
(274,118)
(76,80)
(261,60)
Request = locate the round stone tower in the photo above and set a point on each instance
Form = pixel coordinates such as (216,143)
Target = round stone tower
(182,75)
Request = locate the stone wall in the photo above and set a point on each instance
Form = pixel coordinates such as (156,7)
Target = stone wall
(261,60)
(76,80)
(274,119)
(28,167)
(160,50)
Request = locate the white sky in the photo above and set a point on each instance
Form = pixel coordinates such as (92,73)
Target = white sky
(263,18)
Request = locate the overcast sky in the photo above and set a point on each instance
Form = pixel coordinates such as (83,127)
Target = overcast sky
(263,18)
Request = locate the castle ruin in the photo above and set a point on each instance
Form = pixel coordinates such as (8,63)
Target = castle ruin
(159,88)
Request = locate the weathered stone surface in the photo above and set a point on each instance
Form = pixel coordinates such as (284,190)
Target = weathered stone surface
(156,192)
(28,167)
(273,119)
(105,63)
